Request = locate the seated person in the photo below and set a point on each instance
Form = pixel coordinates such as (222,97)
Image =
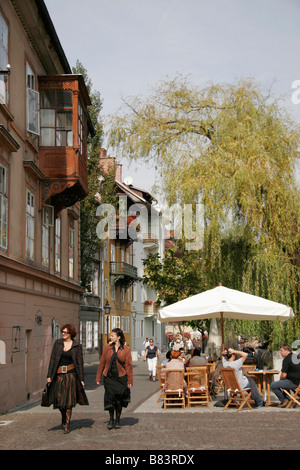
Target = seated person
(168,357)
(182,355)
(230,359)
(290,375)
(176,363)
(197,359)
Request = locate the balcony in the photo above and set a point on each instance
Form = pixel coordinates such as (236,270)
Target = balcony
(123,269)
(150,240)
(63,139)
(150,308)
(123,235)
(90,300)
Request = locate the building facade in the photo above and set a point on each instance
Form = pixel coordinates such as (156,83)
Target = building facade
(43,176)
(149,241)
(136,232)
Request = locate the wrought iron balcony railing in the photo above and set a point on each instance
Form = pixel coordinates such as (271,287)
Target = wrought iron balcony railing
(123,269)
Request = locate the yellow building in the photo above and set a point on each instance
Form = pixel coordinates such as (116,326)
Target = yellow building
(118,272)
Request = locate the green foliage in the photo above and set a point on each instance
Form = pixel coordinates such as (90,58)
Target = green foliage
(177,276)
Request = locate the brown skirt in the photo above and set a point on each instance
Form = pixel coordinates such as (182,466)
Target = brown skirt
(67,391)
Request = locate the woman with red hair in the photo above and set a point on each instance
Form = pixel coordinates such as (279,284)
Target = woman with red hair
(176,362)
(65,374)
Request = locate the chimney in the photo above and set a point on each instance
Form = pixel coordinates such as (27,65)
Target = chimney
(106,164)
(119,172)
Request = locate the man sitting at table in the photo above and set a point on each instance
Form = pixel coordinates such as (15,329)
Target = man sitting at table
(289,377)
(230,359)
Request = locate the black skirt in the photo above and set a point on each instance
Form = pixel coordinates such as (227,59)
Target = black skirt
(66,391)
(116,391)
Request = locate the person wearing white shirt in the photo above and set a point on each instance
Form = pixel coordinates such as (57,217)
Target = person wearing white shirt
(235,360)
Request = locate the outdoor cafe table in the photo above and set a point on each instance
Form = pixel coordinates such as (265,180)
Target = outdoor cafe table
(264,376)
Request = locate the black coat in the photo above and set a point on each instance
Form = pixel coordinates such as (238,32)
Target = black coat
(77,357)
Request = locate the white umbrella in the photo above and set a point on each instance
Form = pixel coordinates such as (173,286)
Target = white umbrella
(222,302)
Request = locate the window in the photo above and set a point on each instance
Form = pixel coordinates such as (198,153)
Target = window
(106,250)
(81,129)
(96,335)
(113,292)
(29,244)
(3,60)
(106,289)
(95,281)
(139,328)
(56,118)
(125,324)
(115,322)
(3,207)
(112,253)
(71,252)
(45,246)
(32,103)
(57,245)
(89,336)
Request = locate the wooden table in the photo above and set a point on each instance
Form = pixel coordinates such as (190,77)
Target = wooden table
(264,376)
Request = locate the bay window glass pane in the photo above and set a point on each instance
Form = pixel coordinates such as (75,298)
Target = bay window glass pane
(48,99)
(64,118)
(64,138)
(47,137)
(48,117)
(64,98)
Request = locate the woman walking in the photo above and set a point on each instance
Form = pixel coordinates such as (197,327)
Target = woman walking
(65,373)
(116,367)
(151,354)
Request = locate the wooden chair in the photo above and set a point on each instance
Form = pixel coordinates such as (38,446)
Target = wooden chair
(210,368)
(174,388)
(237,396)
(161,379)
(295,398)
(247,371)
(220,385)
(217,379)
(197,386)
(248,368)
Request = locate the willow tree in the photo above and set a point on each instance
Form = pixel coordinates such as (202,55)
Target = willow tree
(237,149)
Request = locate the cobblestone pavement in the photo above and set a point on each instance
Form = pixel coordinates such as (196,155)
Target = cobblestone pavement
(146,426)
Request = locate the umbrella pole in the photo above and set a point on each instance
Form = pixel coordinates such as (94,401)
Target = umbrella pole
(222,329)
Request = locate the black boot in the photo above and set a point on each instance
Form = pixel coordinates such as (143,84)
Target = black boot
(68,420)
(63,416)
(118,415)
(111,423)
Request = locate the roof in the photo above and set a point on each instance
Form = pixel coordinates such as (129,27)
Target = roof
(44,14)
(135,194)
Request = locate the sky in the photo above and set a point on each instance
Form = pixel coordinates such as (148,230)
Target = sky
(128,46)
